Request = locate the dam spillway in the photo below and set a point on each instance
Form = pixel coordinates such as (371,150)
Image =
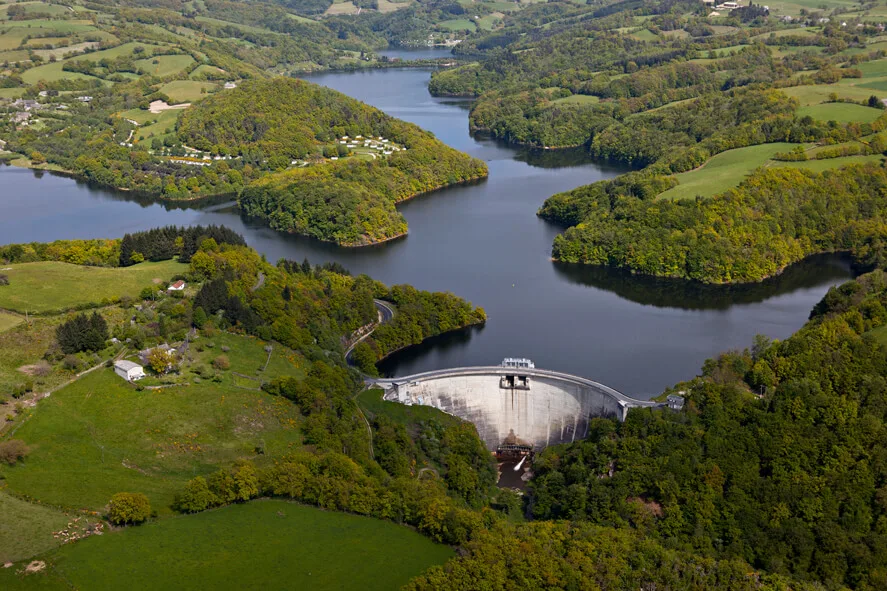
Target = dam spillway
(524,406)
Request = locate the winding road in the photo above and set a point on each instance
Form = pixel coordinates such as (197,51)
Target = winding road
(385,312)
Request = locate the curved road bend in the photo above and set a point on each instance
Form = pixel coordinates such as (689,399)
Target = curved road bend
(385,314)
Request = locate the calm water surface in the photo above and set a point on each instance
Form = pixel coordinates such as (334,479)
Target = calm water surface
(482,242)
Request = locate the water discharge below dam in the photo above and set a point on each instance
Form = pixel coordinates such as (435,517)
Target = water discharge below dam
(484,243)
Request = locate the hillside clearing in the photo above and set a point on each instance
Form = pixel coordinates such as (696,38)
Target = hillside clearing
(54,286)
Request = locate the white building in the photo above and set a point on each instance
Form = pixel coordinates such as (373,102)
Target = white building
(177,286)
(129,370)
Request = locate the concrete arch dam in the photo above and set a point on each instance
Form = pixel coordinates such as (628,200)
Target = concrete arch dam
(527,407)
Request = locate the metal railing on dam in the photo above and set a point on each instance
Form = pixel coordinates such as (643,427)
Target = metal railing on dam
(536,407)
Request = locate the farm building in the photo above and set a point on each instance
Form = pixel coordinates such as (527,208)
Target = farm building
(177,286)
(128,370)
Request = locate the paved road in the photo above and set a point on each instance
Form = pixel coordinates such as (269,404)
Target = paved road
(385,312)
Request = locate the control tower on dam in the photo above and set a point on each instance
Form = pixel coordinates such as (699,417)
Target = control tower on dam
(515,405)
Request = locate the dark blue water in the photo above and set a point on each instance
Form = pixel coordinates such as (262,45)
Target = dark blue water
(485,243)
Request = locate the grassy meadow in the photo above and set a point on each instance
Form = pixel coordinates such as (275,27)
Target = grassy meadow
(8,321)
(728,169)
(54,286)
(723,171)
(186,91)
(26,528)
(841,112)
(100,435)
(263,544)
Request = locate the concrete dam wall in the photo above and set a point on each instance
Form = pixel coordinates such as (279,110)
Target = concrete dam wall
(527,406)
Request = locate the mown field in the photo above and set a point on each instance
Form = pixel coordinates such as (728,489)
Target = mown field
(100,435)
(727,169)
(8,321)
(723,171)
(266,544)
(26,529)
(54,286)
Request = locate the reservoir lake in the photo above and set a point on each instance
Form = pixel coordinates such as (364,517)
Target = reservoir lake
(483,242)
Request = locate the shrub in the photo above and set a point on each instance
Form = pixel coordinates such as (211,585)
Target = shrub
(221,362)
(126,508)
(42,368)
(13,450)
(72,363)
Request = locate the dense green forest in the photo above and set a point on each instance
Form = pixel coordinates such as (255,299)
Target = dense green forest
(775,218)
(778,458)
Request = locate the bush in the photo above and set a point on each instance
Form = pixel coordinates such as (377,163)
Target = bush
(72,363)
(221,362)
(42,368)
(126,508)
(12,451)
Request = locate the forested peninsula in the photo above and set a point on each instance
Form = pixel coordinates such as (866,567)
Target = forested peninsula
(349,201)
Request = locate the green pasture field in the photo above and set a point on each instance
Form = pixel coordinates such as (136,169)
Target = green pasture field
(100,435)
(879,85)
(38,8)
(457,24)
(166,65)
(728,169)
(267,544)
(794,7)
(60,52)
(26,528)
(53,286)
(841,112)
(819,93)
(52,72)
(383,6)
(8,321)
(644,35)
(140,116)
(205,69)
(723,171)
(488,22)
(15,55)
(166,122)
(502,6)
(45,41)
(829,163)
(724,29)
(797,32)
(59,26)
(11,93)
(186,91)
(873,69)
(576,99)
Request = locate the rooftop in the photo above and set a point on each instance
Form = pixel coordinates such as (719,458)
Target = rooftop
(126,365)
